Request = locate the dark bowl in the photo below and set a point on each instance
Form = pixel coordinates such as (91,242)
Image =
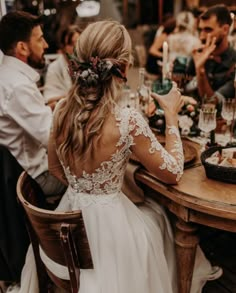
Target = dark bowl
(220,173)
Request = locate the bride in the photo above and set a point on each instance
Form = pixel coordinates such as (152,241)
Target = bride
(91,141)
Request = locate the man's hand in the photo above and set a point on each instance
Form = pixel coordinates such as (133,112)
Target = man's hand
(202,54)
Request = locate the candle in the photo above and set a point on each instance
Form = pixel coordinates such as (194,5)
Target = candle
(164,61)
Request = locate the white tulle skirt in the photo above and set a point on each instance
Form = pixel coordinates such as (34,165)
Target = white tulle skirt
(132,248)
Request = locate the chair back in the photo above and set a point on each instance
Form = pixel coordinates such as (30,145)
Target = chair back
(61,235)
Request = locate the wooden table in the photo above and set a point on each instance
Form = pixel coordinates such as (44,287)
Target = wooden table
(195,200)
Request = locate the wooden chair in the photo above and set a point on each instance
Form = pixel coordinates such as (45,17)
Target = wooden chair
(61,235)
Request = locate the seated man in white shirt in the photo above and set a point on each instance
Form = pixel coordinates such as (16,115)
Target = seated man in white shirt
(1,56)
(58,81)
(25,119)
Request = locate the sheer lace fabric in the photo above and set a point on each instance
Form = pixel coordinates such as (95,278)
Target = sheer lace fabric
(108,178)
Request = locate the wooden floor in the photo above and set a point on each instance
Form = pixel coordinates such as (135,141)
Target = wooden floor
(220,249)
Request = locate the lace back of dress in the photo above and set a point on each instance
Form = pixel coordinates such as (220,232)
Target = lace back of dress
(108,177)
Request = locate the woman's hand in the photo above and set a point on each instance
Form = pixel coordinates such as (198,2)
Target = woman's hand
(171,102)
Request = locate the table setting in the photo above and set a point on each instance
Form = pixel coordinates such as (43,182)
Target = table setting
(199,198)
(201,122)
(201,128)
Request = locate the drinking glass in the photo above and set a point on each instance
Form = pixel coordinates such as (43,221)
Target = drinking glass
(125,97)
(179,74)
(207,120)
(228,113)
(161,88)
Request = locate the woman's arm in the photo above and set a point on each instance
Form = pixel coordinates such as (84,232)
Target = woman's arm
(156,47)
(166,163)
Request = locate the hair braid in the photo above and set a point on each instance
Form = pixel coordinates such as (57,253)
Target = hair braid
(78,121)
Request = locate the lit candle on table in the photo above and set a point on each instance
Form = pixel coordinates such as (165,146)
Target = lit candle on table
(164,60)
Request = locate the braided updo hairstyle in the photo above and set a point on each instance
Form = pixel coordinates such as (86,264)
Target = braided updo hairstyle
(78,120)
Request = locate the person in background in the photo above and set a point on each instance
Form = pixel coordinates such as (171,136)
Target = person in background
(91,141)
(25,119)
(1,56)
(184,39)
(232,31)
(57,80)
(213,64)
(154,58)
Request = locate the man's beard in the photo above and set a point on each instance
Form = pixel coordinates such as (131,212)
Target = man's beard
(217,43)
(36,63)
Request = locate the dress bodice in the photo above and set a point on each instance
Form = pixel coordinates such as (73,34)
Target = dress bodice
(108,177)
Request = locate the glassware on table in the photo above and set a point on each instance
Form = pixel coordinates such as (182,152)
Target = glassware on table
(207,120)
(133,101)
(157,119)
(228,114)
(161,88)
(143,92)
(149,100)
(179,74)
(125,97)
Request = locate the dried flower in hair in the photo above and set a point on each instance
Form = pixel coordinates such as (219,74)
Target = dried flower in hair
(90,73)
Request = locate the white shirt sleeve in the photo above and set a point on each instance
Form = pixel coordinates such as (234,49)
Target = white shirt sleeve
(27,108)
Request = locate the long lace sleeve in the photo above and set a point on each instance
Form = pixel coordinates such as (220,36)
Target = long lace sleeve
(167,164)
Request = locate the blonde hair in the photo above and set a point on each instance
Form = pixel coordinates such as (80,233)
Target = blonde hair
(79,119)
(185,21)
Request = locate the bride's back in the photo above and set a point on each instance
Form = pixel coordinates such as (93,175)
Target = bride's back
(103,150)
(85,127)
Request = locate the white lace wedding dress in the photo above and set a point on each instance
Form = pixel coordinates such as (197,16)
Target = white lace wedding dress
(132,247)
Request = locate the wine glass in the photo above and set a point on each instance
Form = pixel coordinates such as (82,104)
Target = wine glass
(179,74)
(125,97)
(207,120)
(228,113)
(143,99)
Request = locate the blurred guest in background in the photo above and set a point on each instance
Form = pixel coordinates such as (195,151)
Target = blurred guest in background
(24,117)
(181,44)
(57,80)
(25,125)
(232,31)
(154,58)
(213,63)
(1,56)
(184,39)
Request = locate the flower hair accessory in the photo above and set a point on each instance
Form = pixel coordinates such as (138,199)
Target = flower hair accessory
(91,73)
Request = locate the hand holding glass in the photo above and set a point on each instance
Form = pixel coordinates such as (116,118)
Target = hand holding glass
(161,88)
